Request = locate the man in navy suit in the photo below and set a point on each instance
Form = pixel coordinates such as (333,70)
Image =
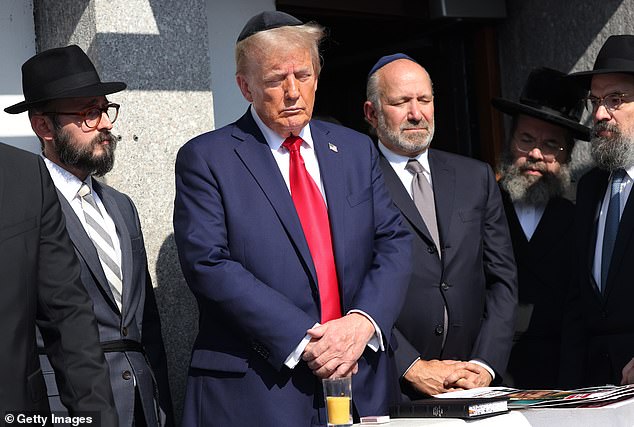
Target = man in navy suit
(456,327)
(270,328)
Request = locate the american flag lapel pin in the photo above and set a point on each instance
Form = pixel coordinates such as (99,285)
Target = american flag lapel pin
(333,147)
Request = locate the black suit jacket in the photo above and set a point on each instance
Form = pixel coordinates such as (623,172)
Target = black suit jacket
(544,267)
(476,277)
(140,319)
(40,280)
(599,327)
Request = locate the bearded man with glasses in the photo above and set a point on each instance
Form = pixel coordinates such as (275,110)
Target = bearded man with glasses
(69,112)
(534,178)
(599,327)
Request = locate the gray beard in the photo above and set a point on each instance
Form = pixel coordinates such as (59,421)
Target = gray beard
(611,153)
(533,190)
(412,145)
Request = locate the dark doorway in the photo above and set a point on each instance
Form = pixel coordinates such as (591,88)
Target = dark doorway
(460,56)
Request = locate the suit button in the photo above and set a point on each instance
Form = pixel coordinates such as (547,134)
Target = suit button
(444,286)
(431,249)
(124,331)
(439,330)
(126,375)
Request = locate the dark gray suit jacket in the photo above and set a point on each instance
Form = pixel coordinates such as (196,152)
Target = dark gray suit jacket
(40,279)
(476,278)
(140,321)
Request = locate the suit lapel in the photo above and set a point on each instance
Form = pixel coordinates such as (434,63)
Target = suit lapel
(124,242)
(332,175)
(596,191)
(86,248)
(256,155)
(444,184)
(402,199)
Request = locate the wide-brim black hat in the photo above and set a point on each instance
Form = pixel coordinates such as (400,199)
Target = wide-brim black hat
(616,56)
(548,95)
(64,72)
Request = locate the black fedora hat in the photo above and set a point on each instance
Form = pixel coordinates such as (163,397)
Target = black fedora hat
(616,56)
(64,72)
(548,95)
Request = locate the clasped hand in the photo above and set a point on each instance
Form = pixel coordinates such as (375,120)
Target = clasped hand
(440,376)
(336,346)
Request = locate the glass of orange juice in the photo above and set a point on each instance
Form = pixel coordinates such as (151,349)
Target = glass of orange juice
(338,397)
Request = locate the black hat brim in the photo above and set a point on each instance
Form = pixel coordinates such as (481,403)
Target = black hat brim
(578,130)
(98,89)
(584,78)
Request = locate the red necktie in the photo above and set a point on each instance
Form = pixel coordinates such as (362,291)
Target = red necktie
(313,216)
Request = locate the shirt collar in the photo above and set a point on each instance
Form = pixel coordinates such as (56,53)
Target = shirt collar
(273,139)
(400,161)
(67,183)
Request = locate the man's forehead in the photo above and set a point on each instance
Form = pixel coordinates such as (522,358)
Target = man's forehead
(533,125)
(611,80)
(79,103)
(270,62)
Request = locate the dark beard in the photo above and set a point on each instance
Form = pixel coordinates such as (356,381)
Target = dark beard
(530,189)
(613,152)
(83,158)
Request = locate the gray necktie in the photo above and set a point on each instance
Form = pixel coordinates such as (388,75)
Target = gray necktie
(423,196)
(96,229)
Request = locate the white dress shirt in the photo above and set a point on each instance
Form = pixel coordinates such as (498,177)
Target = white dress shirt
(529,217)
(68,184)
(626,187)
(398,163)
(282,158)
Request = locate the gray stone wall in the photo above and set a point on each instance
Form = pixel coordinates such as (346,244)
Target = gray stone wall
(160,49)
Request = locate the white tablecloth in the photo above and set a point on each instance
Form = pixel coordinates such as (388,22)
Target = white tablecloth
(619,414)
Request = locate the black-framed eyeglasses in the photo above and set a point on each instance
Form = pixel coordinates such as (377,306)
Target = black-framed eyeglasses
(611,101)
(92,116)
(549,149)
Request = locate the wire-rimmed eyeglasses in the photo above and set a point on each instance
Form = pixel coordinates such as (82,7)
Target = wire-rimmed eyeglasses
(92,116)
(549,149)
(611,101)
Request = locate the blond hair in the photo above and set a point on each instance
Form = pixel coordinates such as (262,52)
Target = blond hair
(253,48)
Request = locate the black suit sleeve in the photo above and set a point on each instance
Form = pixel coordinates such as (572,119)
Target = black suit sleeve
(65,316)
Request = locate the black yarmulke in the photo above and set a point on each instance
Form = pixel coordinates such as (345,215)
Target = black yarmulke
(267,21)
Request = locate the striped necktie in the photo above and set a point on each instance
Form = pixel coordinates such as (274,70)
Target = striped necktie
(96,229)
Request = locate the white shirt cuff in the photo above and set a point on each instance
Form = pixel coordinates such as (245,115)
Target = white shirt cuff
(376,342)
(485,366)
(293,359)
